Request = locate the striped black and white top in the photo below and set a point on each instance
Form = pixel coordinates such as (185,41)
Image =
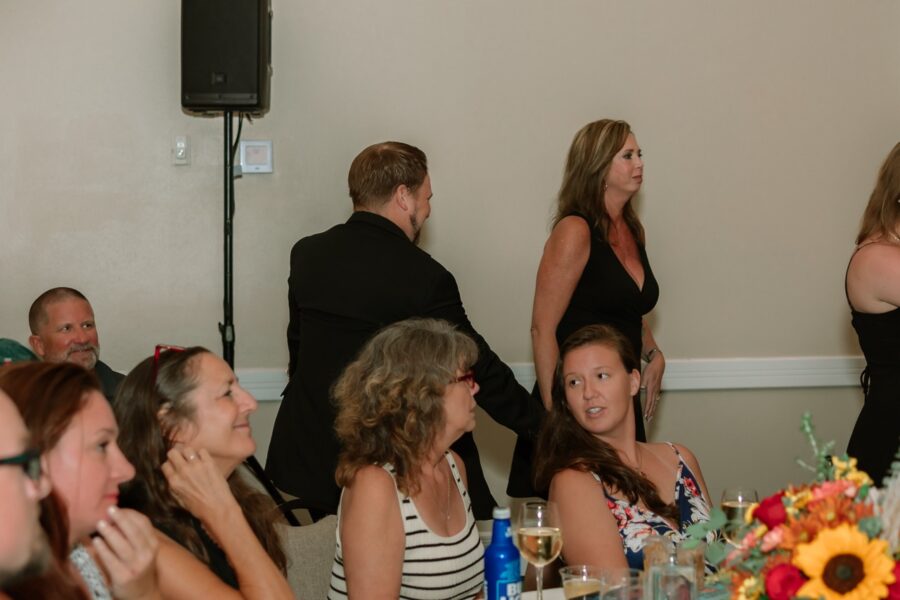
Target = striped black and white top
(434,567)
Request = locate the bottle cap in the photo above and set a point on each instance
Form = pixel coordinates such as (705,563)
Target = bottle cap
(501,512)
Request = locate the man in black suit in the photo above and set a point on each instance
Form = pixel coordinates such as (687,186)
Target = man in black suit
(347,283)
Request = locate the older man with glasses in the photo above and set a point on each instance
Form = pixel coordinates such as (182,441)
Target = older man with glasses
(23,545)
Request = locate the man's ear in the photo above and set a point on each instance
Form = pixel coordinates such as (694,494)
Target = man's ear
(401,196)
(37,345)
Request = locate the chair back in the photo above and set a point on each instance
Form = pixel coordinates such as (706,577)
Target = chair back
(310,552)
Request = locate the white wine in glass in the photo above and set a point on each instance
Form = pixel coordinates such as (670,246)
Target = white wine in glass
(735,504)
(539,545)
(538,537)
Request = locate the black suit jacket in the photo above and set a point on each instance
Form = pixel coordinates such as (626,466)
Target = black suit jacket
(345,284)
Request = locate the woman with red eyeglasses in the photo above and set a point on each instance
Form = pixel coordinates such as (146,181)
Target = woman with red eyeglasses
(185,426)
(405,523)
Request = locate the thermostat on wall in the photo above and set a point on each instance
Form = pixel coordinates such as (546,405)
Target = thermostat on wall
(256,156)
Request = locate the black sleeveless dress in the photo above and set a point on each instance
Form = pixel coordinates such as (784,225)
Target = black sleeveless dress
(605,295)
(876,436)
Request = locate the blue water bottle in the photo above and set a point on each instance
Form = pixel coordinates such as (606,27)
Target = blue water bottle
(502,570)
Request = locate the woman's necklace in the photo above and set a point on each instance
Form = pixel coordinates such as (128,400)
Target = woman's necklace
(894,237)
(449,484)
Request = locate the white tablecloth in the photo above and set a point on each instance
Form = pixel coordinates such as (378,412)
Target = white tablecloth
(549,594)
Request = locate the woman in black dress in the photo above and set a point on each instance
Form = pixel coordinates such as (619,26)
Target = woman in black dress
(595,269)
(873,291)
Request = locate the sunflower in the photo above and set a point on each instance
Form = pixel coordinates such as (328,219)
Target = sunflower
(843,564)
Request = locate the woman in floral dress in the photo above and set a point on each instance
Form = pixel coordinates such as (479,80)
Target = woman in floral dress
(612,491)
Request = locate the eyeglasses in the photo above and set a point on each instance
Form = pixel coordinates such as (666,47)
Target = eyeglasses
(30,461)
(468,377)
(160,348)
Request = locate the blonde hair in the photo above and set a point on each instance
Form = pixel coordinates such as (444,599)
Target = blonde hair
(582,190)
(391,398)
(883,211)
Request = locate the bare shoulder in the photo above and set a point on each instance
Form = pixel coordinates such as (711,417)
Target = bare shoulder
(876,256)
(572,481)
(689,458)
(372,485)
(661,451)
(572,230)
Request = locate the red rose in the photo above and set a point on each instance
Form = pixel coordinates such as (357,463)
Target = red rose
(771,511)
(783,581)
(894,588)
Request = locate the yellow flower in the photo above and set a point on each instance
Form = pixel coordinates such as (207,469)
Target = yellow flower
(748,516)
(843,564)
(748,590)
(846,469)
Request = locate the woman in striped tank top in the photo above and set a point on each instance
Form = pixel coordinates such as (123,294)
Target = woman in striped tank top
(405,523)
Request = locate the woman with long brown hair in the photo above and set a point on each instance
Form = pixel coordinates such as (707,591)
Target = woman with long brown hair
(873,291)
(594,269)
(73,427)
(612,490)
(185,426)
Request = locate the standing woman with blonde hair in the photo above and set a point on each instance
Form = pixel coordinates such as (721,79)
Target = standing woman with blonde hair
(405,522)
(594,269)
(873,291)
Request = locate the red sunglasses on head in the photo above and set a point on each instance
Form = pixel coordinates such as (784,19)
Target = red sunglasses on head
(160,348)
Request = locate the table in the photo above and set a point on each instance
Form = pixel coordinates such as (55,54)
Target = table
(549,594)
(557,594)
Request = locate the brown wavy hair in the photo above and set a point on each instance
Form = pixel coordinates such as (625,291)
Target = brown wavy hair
(391,398)
(145,437)
(582,190)
(49,396)
(883,210)
(564,444)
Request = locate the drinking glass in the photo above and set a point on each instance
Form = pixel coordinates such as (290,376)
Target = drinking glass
(735,503)
(538,537)
(581,582)
(622,584)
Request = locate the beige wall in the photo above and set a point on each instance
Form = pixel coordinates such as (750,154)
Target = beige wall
(763,125)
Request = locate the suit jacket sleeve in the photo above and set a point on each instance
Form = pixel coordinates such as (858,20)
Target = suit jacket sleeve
(501,396)
(293,328)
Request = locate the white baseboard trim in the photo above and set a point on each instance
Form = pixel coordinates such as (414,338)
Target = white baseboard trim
(681,374)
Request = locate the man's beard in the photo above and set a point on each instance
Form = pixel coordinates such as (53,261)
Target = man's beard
(95,354)
(416,227)
(38,561)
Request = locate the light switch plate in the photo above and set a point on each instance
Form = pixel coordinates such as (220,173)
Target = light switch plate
(256,156)
(181,150)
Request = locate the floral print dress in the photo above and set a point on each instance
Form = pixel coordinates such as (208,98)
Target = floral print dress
(636,524)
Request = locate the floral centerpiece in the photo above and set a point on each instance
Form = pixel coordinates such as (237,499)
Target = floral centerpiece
(834,538)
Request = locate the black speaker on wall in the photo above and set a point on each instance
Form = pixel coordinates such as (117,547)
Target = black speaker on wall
(226,55)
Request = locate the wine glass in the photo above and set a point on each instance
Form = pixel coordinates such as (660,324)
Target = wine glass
(735,503)
(538,537)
